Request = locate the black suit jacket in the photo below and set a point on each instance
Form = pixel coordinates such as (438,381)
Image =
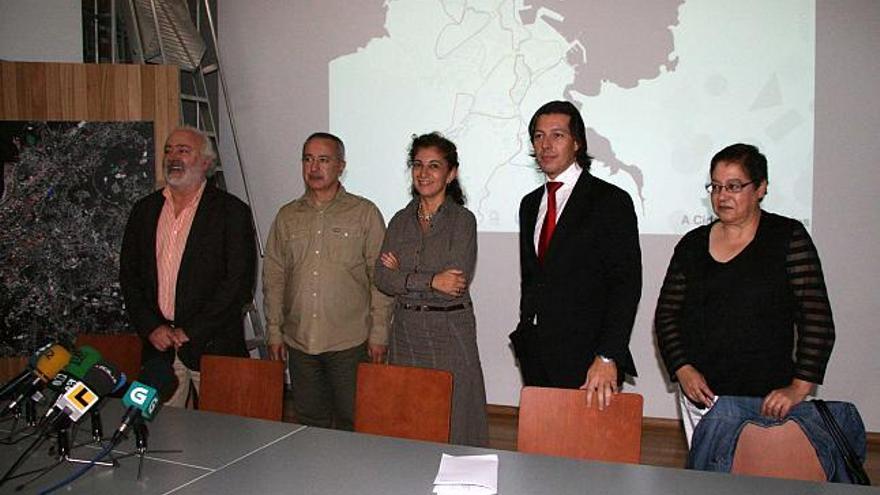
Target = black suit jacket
(586,293)
(214,284)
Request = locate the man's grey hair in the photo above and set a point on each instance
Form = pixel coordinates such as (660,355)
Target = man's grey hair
(207,150)
(340,146)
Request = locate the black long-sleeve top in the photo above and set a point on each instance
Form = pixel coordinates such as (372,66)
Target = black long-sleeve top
(752,324)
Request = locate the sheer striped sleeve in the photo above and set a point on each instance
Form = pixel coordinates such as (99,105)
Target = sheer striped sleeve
(669,316)
(813,320)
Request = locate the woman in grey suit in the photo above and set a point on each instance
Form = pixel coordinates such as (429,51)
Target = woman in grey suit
(427,264)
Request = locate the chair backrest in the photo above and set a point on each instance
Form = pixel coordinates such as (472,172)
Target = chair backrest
(403,402)
(122,350)
(556,421)
(11,366)
(245,387)
(781,451)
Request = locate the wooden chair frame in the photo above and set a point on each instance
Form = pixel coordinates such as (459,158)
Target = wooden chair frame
(403,402)
(247,387)
(556,421)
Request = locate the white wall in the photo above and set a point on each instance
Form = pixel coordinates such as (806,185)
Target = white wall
(845,209)
(41,30)
(270,48)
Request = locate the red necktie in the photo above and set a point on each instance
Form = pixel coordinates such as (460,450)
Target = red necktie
(549,224)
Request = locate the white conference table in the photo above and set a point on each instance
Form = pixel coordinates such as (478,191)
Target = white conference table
(208,442)
(228,455)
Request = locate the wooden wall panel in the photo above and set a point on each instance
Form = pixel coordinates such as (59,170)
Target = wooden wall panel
(97,92)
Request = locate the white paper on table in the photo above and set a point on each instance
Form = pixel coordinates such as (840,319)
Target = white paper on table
(471,474)
(462,490)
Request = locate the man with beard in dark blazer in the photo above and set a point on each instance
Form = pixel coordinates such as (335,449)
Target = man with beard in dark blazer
(188,264)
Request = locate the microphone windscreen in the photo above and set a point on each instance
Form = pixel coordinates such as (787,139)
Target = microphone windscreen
(32,361)
(82,361)
(27,374)
(102,378)
(51,362)
(120,384)
(61,382)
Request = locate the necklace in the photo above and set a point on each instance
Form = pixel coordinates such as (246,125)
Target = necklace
(426,217)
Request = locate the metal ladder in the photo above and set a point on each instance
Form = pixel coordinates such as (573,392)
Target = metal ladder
(162,32)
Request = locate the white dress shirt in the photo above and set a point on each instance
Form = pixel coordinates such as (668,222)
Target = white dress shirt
(568,178)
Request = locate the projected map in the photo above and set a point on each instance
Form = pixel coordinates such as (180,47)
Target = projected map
(662,86)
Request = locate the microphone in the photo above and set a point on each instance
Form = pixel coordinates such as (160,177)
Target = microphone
(62,382)
(48,365)
(12,385)
(98,381)
(97,422)
(142,401)
(142,398)
(81,362)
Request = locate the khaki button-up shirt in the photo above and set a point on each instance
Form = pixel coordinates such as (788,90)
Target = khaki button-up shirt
(318,291)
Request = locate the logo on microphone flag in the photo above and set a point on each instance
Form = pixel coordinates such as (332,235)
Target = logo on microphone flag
(80,397)
(143,397)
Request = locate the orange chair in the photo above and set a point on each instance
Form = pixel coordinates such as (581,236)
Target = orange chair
(781,451)
(121,350)
(11,366)
(556,421)
(245,387)
(403,402)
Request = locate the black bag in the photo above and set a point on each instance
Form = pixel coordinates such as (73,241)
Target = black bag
(853,465)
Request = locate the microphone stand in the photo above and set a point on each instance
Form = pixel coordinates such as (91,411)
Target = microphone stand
(141,438)
(97,427)
(62,455)
(30,413)
(27,410)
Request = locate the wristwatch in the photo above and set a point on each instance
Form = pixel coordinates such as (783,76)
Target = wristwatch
(604,359)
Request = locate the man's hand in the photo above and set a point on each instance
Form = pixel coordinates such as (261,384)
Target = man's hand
(602,379)
(277,352)
(179,337)
(694,385)
(779,402)
(376,352)
(451,282)
(162,338)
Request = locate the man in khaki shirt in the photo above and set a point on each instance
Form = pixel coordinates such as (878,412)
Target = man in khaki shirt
(323,313)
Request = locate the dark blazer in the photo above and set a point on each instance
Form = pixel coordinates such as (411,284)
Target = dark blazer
(586,293)
(215,282)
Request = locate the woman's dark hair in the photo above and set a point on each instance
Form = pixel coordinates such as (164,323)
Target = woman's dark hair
(747,155)
(575,126)
(450,154)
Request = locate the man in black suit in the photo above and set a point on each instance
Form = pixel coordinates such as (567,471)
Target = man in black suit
(188,264)
(581,267)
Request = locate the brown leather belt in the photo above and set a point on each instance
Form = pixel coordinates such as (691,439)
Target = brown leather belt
(427,307)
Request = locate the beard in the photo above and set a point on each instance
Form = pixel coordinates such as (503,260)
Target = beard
(178,175)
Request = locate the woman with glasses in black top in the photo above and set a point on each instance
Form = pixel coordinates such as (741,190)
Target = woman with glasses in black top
(743,310)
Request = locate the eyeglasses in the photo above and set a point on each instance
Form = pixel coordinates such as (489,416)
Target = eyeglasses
(732,187)
(321,160)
